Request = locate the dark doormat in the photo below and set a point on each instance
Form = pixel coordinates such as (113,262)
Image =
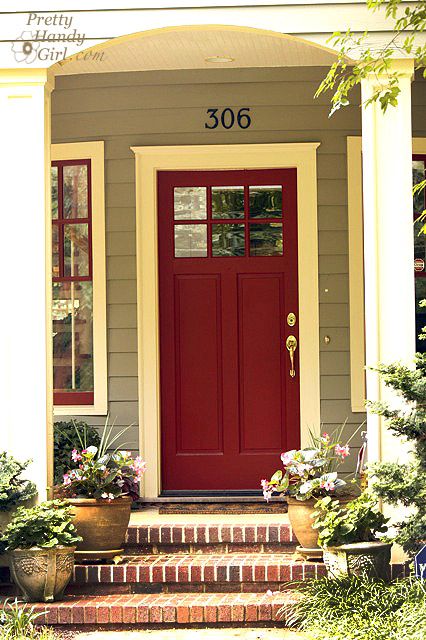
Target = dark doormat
(237,508)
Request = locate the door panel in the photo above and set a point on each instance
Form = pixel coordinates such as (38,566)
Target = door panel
(228,279)
(261,367)
(198,366)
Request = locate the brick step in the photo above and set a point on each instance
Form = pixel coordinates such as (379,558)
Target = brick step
(199,538)
(206,572)
(196,608)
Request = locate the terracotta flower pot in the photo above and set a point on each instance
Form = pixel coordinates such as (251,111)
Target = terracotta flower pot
(368,559)
(102,524)
(42,574)
(300,516)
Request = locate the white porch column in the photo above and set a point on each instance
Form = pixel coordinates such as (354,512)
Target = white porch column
(25,266)
(388,245)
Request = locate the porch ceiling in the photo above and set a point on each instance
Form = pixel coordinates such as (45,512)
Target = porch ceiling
(189,47)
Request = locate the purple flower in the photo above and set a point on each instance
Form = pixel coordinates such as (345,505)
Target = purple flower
(76,456)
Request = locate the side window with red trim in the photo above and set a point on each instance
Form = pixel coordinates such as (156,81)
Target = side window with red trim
(72,283)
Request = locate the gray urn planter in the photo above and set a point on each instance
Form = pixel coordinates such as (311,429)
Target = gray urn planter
(42,574)
(369,559)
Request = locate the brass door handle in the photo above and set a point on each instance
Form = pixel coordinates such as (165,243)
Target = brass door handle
(291,344)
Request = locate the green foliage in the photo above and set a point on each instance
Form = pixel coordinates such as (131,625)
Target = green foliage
(358,521)
(17,622)
(353,608)
(46,525)
(405,484)
(104,471)
(13,488)
(344,74)
(68,436)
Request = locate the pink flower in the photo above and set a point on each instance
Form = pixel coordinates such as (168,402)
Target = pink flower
(76,456)
(267,490)
(139,466)
(342,451)
(328,485)
(287,457)
(325,438)
(67,479)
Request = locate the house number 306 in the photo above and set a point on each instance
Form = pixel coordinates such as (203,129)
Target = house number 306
(227,118)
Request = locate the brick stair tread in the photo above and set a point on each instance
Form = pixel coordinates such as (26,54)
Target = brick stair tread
(209,534)
(176,608)
(198,568)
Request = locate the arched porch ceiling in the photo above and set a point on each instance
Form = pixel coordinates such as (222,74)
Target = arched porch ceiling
(191,47)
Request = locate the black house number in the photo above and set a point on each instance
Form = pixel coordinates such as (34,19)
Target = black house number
(227,118)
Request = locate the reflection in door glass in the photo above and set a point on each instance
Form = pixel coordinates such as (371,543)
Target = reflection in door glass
(266,202)
(228,202)
(266,239)
(228,240)
(190,241)
(190,203)
(418,176)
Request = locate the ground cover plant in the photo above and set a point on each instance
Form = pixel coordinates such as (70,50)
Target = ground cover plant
(353,608)
(18,620)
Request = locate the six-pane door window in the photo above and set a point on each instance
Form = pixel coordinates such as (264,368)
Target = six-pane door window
(72,282)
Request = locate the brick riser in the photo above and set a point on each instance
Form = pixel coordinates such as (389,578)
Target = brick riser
(184,536)
(208,609)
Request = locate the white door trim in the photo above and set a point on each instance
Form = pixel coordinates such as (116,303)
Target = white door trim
(149,160)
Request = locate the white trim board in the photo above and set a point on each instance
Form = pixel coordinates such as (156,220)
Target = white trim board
(356,267)
(150,160)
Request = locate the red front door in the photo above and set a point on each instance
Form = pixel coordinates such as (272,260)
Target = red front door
(228,281)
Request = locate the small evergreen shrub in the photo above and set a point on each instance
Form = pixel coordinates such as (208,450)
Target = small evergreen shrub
(68,436)
(404,484)
(14,490)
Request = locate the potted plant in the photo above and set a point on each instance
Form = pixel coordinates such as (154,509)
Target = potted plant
(15,491)
(41,542)
(307,475)
(101,490)
(348,534)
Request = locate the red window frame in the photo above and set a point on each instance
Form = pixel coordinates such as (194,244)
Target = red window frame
(61,398)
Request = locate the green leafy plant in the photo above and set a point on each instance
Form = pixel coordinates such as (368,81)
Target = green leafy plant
(355,608)
(17,622)
(68,436)
(311,472)
(14,489)
(404,484)
(46,525)
(357,521)
(104,471)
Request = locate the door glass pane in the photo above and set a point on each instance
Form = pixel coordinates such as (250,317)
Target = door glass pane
(190,241)
(76,250)
(228,202)
(75,191)
(55,251)
(72,312)
(418,176)
(54,187)
(190,203)
(266,239)
(419,243)
(228,239)
(420,284)
(266,202)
